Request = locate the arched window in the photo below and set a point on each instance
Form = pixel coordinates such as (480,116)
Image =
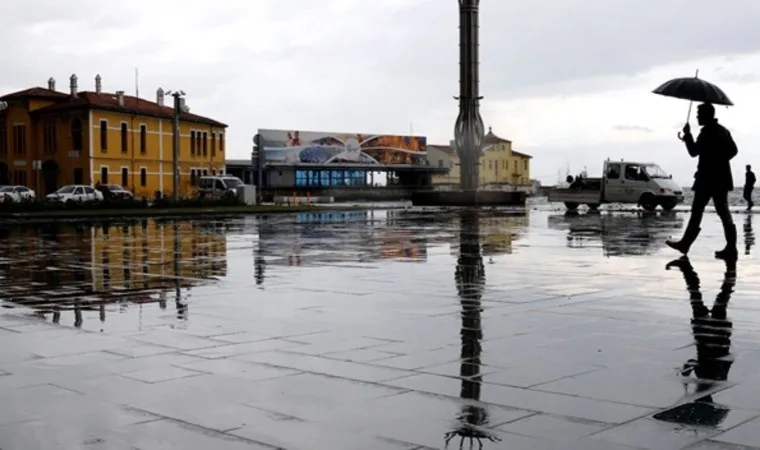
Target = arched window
(76,135)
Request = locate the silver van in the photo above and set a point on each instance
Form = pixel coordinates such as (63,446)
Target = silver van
(219,186)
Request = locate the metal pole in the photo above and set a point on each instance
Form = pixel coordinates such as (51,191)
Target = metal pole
(175,148)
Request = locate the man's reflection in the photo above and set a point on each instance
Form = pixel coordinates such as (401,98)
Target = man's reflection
(712,336)
(749,235)
(470,280)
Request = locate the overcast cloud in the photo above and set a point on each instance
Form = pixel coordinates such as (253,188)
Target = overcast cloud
(568,81)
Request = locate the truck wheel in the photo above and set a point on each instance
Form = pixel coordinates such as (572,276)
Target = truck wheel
(648,202)
(593,206)
(668,205)
(572,206)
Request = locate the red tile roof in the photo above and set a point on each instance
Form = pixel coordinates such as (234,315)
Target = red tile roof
(106,101)
(109,102)
(35,92)
(491,138)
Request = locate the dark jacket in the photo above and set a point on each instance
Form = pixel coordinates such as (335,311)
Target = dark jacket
(715,148)
(749,180)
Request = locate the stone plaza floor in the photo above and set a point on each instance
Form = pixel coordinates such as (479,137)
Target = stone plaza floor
(397,329)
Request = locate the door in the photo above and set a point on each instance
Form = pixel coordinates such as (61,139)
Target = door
(614,184)
(636,182)
(78,195)
(89,193)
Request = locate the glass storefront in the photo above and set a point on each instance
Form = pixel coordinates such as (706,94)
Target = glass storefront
(331,178)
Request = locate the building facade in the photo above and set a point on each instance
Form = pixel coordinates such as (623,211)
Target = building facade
(499,163)
(49,139)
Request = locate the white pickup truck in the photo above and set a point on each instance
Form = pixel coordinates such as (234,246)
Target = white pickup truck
(643,184)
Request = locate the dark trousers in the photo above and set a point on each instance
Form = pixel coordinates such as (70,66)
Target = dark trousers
(720,201)
(748,195)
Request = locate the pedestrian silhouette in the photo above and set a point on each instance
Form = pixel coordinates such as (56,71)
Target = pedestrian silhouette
(715,148)
(749,185)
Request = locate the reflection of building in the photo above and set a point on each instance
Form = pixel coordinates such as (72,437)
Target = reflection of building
(499,163)
(62,267)
(83,137)
(337,236)
(308,160)
(141,257)
(620,234)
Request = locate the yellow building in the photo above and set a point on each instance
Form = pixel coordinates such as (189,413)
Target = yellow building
(499,163)
(85,137)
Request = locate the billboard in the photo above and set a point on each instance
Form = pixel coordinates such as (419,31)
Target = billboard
(311,147)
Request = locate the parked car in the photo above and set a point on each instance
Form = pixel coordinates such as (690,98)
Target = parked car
(219,186)
(75,193)
(114,192)
(16,194)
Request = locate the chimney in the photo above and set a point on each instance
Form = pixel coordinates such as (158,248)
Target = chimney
(73,84)
(51,84)
(98,84)
(160,96)
(120,98)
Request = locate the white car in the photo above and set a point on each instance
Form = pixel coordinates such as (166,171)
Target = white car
(75,193)
(16,194)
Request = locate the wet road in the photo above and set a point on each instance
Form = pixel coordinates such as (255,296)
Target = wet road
(399,329)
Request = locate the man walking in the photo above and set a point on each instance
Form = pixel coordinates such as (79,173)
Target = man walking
(715,148)
(749,185)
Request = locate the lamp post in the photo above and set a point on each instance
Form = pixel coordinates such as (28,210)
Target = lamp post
(178,109)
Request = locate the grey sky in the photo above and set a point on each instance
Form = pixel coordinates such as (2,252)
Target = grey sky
(354,65)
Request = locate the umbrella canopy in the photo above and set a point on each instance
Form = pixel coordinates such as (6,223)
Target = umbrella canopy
(694,89)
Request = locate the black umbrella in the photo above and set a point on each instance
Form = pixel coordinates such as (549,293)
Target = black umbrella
(695,90)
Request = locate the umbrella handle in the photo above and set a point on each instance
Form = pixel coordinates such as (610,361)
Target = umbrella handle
(680,136)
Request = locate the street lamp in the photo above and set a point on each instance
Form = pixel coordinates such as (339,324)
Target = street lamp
(179,108)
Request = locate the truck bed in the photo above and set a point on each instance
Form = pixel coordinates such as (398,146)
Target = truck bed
(577,195)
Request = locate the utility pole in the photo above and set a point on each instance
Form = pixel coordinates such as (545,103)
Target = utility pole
(175,142)
(258,160)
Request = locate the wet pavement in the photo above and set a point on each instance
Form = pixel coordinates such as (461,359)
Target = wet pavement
(398,329)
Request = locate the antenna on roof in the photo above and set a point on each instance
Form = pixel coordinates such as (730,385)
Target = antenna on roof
(137,85)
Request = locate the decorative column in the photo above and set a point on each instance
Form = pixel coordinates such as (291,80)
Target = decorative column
(468,131)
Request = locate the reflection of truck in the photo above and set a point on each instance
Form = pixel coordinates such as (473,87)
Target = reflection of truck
(619,234)
(644,184)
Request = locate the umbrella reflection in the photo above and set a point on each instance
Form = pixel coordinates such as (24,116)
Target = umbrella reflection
(470,280)
(712,336)
(749,234)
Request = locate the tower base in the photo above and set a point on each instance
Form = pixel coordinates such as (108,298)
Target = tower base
(468,198)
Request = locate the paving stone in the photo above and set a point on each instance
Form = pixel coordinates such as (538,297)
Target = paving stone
(569,340)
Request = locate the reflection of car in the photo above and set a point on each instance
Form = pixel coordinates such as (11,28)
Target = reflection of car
(620,234)
(75,193)
(220,186)
(114,192)
(16,194)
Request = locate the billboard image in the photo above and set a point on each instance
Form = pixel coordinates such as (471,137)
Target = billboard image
(309,147)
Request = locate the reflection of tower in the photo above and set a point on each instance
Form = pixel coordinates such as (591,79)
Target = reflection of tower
(468,130)
(470,280)
(749,235)
(259,263)
(180,304)
(712,335)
